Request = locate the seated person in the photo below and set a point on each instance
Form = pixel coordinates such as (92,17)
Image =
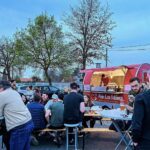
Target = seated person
(54,115)
(129,109)
(130,105)
(46,99)
(56,111)
(24,98)
(37,112)
(50,101)
(30,93)
(124,125)
(38,115)
(88,104)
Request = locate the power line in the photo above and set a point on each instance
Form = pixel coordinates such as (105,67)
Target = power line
(148,44)
(130,49)
(144,47)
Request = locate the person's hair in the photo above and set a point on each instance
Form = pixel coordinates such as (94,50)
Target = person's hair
(78,86)
(61,96)
(88,97)
(36,98)
(89,100)
(5,84)
(36,90)
(134,79)
(30,87)
(103,75)
(49,94)
(21,94)
(74,86)
(12,81)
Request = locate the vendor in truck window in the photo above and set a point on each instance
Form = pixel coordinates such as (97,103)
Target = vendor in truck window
(146,78)
(104,80)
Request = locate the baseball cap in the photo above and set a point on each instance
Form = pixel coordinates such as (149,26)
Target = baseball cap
(54,96)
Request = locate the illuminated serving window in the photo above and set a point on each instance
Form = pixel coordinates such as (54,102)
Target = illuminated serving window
(109,80)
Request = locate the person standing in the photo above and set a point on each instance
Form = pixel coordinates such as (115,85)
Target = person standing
(13,84)
(136,86)
(141,121)
(17,117)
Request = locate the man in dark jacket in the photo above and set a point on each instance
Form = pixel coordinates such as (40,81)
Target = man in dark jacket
(141,121)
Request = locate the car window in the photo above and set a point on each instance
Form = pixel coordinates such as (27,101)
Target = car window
(37,87)
(23,87)
(43,88)
(52,88)
(46,88)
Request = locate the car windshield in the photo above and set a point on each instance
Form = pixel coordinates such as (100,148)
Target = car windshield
(23,87)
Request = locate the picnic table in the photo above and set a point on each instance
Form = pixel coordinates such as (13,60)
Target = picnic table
(117,114)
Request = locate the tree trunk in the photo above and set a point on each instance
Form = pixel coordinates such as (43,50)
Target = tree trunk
(4,77)
(8,73)
(47,76)
(84,64)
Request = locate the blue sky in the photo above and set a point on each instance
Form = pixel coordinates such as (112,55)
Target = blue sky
(131,16)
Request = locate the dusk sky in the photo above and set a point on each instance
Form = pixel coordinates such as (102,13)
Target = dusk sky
(132,18)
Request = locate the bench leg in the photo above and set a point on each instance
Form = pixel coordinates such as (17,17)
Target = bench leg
(83,141)
(67,141)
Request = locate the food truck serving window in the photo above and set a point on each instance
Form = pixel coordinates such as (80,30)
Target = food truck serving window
(110,79)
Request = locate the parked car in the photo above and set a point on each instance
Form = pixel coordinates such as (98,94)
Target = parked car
(47,88)
(43,88)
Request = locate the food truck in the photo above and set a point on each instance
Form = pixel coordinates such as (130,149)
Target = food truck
(110,86)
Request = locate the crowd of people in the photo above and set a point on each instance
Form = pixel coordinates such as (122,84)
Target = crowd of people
(23,117)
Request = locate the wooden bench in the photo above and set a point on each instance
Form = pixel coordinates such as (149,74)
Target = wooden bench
(106,119)
(96,130)
(83,131)
(57,131)
(52,130)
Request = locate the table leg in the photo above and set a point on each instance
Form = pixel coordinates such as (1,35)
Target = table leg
(123,136)
(83,141)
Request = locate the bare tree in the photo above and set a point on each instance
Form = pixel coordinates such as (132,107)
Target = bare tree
(89,31)
(7,56)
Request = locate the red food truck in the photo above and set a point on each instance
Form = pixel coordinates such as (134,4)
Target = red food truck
(110,86)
